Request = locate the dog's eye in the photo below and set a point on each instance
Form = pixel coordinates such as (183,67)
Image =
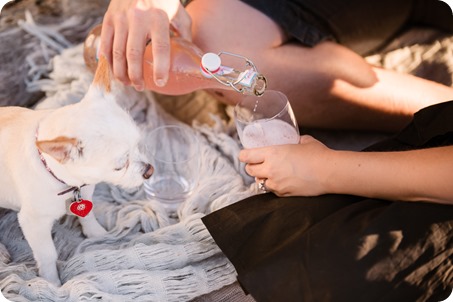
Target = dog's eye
(123,165)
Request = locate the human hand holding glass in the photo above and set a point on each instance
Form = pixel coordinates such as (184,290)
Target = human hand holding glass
(265,121)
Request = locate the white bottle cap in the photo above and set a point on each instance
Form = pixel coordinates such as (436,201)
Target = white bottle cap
(211,62)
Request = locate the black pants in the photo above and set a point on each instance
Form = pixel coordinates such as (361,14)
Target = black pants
(363,26)
(345,248)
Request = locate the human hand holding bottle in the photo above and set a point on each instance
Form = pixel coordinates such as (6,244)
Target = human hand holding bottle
(127,27)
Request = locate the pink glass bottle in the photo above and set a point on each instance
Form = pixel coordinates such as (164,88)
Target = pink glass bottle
(190,68)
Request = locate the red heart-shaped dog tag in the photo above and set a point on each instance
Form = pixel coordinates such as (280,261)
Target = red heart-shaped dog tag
(81,207)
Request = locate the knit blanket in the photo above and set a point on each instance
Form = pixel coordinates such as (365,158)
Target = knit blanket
(146,256)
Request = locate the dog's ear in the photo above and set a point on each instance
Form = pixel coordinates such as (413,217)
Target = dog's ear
(59,148)
(103,75)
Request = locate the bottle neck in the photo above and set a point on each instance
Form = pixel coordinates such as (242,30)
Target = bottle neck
(249,81)
(246,80)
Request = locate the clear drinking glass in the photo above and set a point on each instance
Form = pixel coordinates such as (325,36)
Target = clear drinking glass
(174,153)
(266,120)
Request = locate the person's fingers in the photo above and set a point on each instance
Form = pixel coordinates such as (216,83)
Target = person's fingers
(257,170)
(251,156)
(135,49)
(269,184)
(160,41)
(106,42)
(119,63)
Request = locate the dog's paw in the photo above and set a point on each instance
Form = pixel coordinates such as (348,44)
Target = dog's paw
(91,227)
(95,230)
(51,276)
(56,282)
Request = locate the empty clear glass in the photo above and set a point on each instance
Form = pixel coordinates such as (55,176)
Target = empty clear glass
(174,153)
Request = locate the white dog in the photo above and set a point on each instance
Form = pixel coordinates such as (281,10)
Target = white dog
(50,161)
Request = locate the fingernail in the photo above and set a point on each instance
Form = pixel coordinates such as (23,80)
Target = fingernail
(139,87)
(160,82)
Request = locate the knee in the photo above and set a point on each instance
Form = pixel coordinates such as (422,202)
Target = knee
(340,63)
(213,29)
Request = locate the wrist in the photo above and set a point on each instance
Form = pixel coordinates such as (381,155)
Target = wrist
(334,180)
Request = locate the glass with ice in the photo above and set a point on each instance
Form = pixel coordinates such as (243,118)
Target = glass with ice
(266,120)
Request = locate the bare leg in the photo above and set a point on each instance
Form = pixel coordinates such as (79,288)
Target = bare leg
(329,86)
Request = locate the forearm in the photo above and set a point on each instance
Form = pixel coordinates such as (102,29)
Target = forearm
(418,175)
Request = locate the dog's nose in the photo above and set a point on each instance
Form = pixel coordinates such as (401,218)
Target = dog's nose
(149,170)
